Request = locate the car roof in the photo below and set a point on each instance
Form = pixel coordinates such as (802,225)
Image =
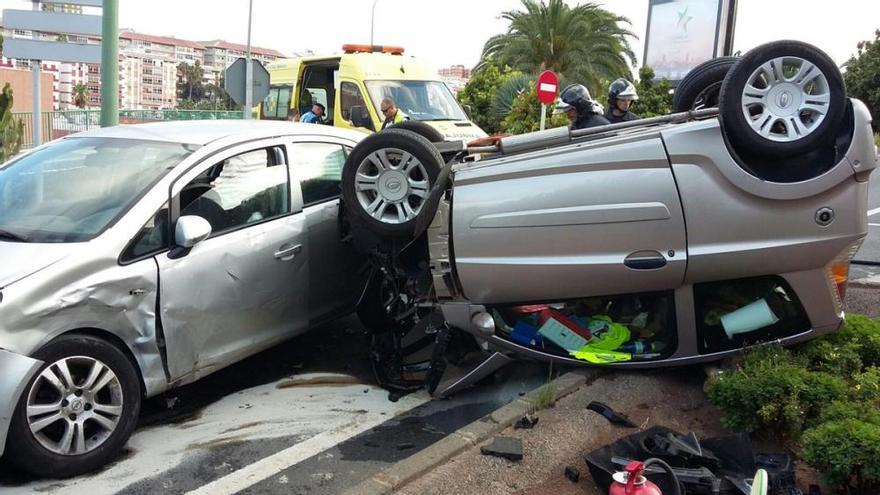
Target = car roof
(202,132)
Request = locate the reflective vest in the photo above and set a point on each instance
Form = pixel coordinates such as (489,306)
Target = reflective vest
(398,118)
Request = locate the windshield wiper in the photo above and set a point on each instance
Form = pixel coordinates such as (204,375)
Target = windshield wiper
(5,234)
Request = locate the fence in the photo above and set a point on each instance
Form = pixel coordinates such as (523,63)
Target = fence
(61,123)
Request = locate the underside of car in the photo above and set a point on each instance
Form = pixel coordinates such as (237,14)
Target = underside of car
(671,240)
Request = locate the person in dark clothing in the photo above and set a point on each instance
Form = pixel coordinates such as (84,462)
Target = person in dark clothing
(582,110)
(621,95)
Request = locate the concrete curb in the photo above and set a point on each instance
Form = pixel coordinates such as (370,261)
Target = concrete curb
(468,436)
(866,283)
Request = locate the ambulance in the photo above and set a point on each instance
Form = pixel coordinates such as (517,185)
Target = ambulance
(352,85)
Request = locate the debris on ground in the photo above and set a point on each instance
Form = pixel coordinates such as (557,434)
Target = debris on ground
(572,474)
(526,422)
(721,465)
(405,446)
(507,447)
(610,414)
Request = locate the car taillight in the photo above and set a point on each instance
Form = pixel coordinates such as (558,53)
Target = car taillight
(838,271)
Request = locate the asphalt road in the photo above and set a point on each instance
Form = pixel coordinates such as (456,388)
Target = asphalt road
(867,260)
(305,416)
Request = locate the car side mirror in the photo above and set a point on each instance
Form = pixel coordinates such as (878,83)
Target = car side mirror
(467,110)
(360,117)
(191,230)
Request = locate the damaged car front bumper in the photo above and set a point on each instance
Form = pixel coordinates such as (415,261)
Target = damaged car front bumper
(16,372)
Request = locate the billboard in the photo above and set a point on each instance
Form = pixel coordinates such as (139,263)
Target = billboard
(684,33)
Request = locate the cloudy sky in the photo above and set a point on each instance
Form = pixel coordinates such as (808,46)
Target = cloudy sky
(446,32)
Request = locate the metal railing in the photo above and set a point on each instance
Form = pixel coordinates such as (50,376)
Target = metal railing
(64,122)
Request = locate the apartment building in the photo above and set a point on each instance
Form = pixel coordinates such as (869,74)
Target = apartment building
(147,67)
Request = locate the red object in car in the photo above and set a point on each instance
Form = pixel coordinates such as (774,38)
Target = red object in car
(631,482)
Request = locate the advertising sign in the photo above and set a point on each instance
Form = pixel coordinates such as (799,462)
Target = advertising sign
(684,33)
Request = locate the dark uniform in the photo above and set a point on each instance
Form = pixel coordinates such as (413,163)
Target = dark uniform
(614,119)
(578,97)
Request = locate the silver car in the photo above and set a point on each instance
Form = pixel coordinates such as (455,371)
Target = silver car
(140,258)
(667,241)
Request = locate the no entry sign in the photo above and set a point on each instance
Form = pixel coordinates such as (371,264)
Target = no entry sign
(548,87)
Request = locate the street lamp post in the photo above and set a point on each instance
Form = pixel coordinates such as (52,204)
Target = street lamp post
(249,69)
(373,21)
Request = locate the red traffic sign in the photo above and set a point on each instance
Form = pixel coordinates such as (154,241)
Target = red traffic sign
(548,87)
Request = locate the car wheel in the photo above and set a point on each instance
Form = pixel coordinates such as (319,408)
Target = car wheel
(701,86)
(782,99)
(420,128)
(78,411)
(387,178)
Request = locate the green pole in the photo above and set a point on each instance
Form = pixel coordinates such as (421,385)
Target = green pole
(110,64)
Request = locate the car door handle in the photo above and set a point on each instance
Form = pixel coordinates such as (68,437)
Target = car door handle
(288,252)
(645,260)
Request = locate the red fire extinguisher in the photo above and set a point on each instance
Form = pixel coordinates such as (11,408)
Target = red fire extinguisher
(631,482)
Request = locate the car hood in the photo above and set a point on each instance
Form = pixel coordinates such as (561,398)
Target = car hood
(21,259)
(457,130)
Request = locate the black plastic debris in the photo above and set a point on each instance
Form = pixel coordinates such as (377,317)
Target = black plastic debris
(506,447)
(713,466)
(610,414)
(406,446)
(572,474)
(526,422)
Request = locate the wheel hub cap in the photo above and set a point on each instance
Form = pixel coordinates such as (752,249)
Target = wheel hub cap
(393,186)
(785,100)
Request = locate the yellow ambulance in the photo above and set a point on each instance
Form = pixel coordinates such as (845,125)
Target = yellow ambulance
(351,86)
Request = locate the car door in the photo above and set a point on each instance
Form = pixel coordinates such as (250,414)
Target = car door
(591,219)
(245,286)
(336,271)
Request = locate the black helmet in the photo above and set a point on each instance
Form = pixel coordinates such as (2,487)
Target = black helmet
(622,89)
(578,96)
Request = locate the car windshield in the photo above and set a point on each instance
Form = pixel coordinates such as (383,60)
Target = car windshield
(71,190)
(420,100)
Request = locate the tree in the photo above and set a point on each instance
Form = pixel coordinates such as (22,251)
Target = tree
(862,76)
(80,95)
(654,97)
(189,81)
(479,93)
(584,43)
(11,129)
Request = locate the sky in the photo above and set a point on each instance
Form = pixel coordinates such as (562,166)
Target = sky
(447,32)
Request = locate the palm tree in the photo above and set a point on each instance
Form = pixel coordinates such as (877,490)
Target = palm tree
(80,95)
(584,43)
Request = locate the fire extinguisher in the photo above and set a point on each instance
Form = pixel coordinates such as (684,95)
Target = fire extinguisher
(632,482)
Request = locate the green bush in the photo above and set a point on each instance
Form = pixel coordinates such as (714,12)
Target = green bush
(773,390)
(841,410)
(866,385)
(841,359)
(863,332)
(847,452)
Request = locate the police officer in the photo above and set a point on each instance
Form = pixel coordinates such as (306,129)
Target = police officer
(582,110)
(621,95)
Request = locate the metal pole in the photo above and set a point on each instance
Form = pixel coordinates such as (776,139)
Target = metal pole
(37,132)
(543,115)
(249,70)
(373,21)
(110,64)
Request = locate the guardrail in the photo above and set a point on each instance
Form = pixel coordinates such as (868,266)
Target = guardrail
(64,122)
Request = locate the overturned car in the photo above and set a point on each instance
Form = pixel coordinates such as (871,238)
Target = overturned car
(666,241)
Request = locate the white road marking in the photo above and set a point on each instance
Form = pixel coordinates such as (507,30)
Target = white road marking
(873,212)
(274,464)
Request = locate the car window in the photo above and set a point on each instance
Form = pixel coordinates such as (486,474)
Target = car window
(349,96)
(277,103)
(152,238)
(318,167)
(240,190)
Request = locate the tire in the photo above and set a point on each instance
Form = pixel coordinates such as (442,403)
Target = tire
(45,453)
(701,86)
(422,129)
(792,112)
(383,194)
